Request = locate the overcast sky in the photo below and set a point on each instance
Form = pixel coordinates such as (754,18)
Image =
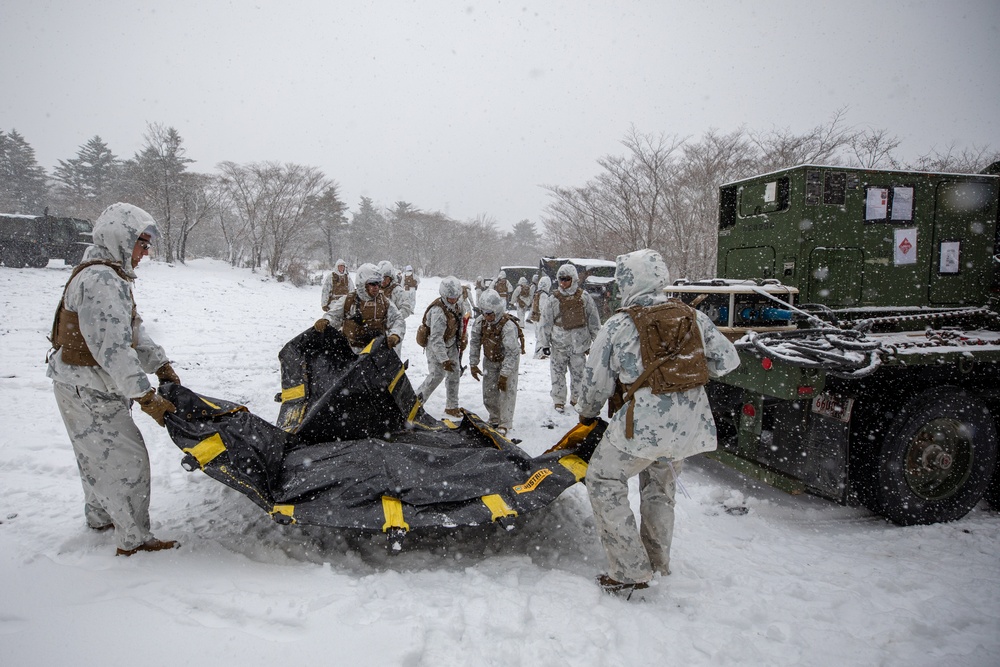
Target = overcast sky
(469,108)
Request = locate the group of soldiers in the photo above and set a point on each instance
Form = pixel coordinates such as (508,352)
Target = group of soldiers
(566,320)
(649,363)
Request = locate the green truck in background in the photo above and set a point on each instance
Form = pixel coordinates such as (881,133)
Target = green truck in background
(864,304)
(32,240)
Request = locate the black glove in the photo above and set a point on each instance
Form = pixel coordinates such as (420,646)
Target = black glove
(321,324)
(448,365)
(476,373)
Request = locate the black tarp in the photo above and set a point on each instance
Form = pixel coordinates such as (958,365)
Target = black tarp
(353,448)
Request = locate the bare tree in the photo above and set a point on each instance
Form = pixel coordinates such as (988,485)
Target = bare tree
(781,148)
(155,177)
(198,201)
(874,149)
(960,161)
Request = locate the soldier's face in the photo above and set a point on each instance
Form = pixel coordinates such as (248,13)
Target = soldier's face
(386,280)
(371,288)
(140,249)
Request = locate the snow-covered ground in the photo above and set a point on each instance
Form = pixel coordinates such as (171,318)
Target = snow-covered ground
(794,581)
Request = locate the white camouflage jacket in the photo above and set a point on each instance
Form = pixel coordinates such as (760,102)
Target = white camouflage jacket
(103,303)
(673,425)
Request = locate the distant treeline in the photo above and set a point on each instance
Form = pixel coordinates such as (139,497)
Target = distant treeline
(288,219)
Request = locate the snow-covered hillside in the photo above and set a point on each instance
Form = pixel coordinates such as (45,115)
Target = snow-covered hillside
(792,581)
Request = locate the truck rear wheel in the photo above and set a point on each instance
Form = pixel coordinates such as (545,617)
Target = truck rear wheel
(937,459)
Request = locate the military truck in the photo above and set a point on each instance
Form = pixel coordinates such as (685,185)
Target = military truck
(32,240)
(864,307)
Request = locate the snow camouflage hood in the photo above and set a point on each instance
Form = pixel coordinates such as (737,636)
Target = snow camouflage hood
(353,448)
(367,273)
(491,302)
(544,284)
(642,276)
(115,233)
(336,267)
(450,288)
(568,270)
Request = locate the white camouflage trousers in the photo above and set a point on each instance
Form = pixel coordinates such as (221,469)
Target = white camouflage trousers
(436,373)
(633,555)
(500,404)
(560,358)
(112,458)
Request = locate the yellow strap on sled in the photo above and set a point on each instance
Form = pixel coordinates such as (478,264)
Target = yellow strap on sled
(392,385)
(575,465)
(498,506)
(207,449)
(287,510)
(393,510)
(573,437)
(292,393)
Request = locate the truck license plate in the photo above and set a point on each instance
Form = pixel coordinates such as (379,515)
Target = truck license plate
(834,407)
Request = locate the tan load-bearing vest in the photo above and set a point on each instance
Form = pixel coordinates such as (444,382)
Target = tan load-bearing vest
(340,284)
(339,287)
(502,292)
(492,338)
(522,294)
(66,336)
(673,356)
(369,320)
(409,282)
(536,309)
(450,327)
(572,311)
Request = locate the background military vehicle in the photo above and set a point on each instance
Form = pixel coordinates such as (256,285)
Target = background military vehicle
(32,240)
(868,333)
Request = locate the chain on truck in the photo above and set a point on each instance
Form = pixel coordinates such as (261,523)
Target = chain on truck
(864,305)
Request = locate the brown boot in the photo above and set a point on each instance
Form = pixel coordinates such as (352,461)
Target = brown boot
(453,412)
(149,545)
(620,588)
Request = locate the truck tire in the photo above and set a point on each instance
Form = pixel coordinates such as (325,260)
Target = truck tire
(937,458)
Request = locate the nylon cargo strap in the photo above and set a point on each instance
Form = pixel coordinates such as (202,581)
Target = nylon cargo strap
(629,395)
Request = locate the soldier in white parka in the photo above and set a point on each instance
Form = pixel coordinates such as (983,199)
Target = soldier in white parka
(393,291)
(662,352)
(101,355)
(570,322)
(444,319)
(522,299)
(365,313)
(336,284)
(495,333)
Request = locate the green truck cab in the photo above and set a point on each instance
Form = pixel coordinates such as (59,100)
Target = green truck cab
(868,333)
(32,240)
